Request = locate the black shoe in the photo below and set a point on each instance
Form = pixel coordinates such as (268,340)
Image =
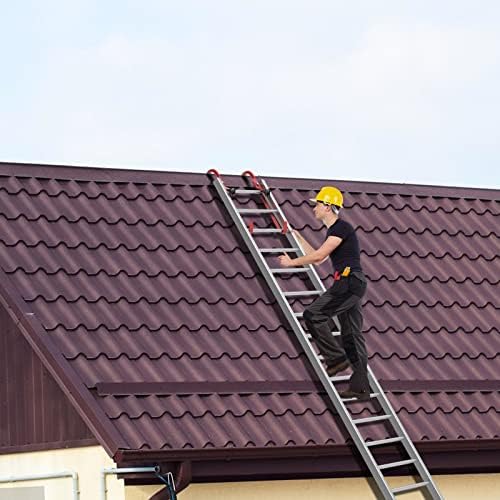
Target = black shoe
(362,396)
(337,367)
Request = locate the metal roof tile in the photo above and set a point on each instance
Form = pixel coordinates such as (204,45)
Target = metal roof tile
(140,277)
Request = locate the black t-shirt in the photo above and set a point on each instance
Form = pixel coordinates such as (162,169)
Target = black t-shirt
(347,253)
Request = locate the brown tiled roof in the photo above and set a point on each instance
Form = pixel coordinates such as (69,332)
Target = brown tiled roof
(153,316)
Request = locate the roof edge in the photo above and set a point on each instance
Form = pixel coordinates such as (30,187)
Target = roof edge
(110,174)
(471,456)
(78,395)
(295,451)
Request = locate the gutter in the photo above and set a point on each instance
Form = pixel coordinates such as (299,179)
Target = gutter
(209,465)
(174,455)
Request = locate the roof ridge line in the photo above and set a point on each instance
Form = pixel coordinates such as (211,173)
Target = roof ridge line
(112,174)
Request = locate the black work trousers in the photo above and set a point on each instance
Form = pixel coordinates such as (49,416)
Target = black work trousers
(343,300)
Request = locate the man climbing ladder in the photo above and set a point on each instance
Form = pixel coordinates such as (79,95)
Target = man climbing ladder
(342,299)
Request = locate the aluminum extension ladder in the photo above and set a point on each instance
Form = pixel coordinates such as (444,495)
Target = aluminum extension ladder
(259,187)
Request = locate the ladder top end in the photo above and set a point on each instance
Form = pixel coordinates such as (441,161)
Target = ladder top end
(253,178)
(213,172)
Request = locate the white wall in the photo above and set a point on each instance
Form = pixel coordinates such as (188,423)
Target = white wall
(86,461)
(453,487)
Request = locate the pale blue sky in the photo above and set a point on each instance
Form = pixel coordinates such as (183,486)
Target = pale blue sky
(399,91)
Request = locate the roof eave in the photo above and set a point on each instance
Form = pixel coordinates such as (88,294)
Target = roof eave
(452,457)
(313,462)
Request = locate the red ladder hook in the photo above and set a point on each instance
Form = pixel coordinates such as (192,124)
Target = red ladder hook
(212,171)
(253,178)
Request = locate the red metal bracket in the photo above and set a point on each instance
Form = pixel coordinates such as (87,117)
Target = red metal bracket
(257,185)
(212,171)
(253,178)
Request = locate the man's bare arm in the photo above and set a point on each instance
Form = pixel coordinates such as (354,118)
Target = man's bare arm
(321,254)
(308,249)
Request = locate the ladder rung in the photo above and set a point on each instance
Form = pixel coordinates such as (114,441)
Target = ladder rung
(304,293)
(396,464)
(289,270)
(385,441)
(246,211)
(263,230)
(410,487)
(347,400)
(340,378)
(371,419)
(334,334)
(279,250)
(247,191)
(298,315)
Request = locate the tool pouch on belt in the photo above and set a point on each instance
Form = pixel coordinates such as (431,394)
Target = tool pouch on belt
(346,271)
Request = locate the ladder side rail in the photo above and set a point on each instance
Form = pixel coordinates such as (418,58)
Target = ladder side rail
(407,442)
(318,284)
(305,343)
(374,384)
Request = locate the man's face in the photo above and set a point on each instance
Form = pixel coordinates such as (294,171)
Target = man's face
(321,210)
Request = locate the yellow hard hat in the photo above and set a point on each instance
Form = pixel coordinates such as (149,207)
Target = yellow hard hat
(329,195)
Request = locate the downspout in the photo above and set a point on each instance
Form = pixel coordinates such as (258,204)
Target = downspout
(123,470)
(52,475)
(183,477)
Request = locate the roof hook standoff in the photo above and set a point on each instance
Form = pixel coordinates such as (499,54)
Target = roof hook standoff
(212,171)
(253,178)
